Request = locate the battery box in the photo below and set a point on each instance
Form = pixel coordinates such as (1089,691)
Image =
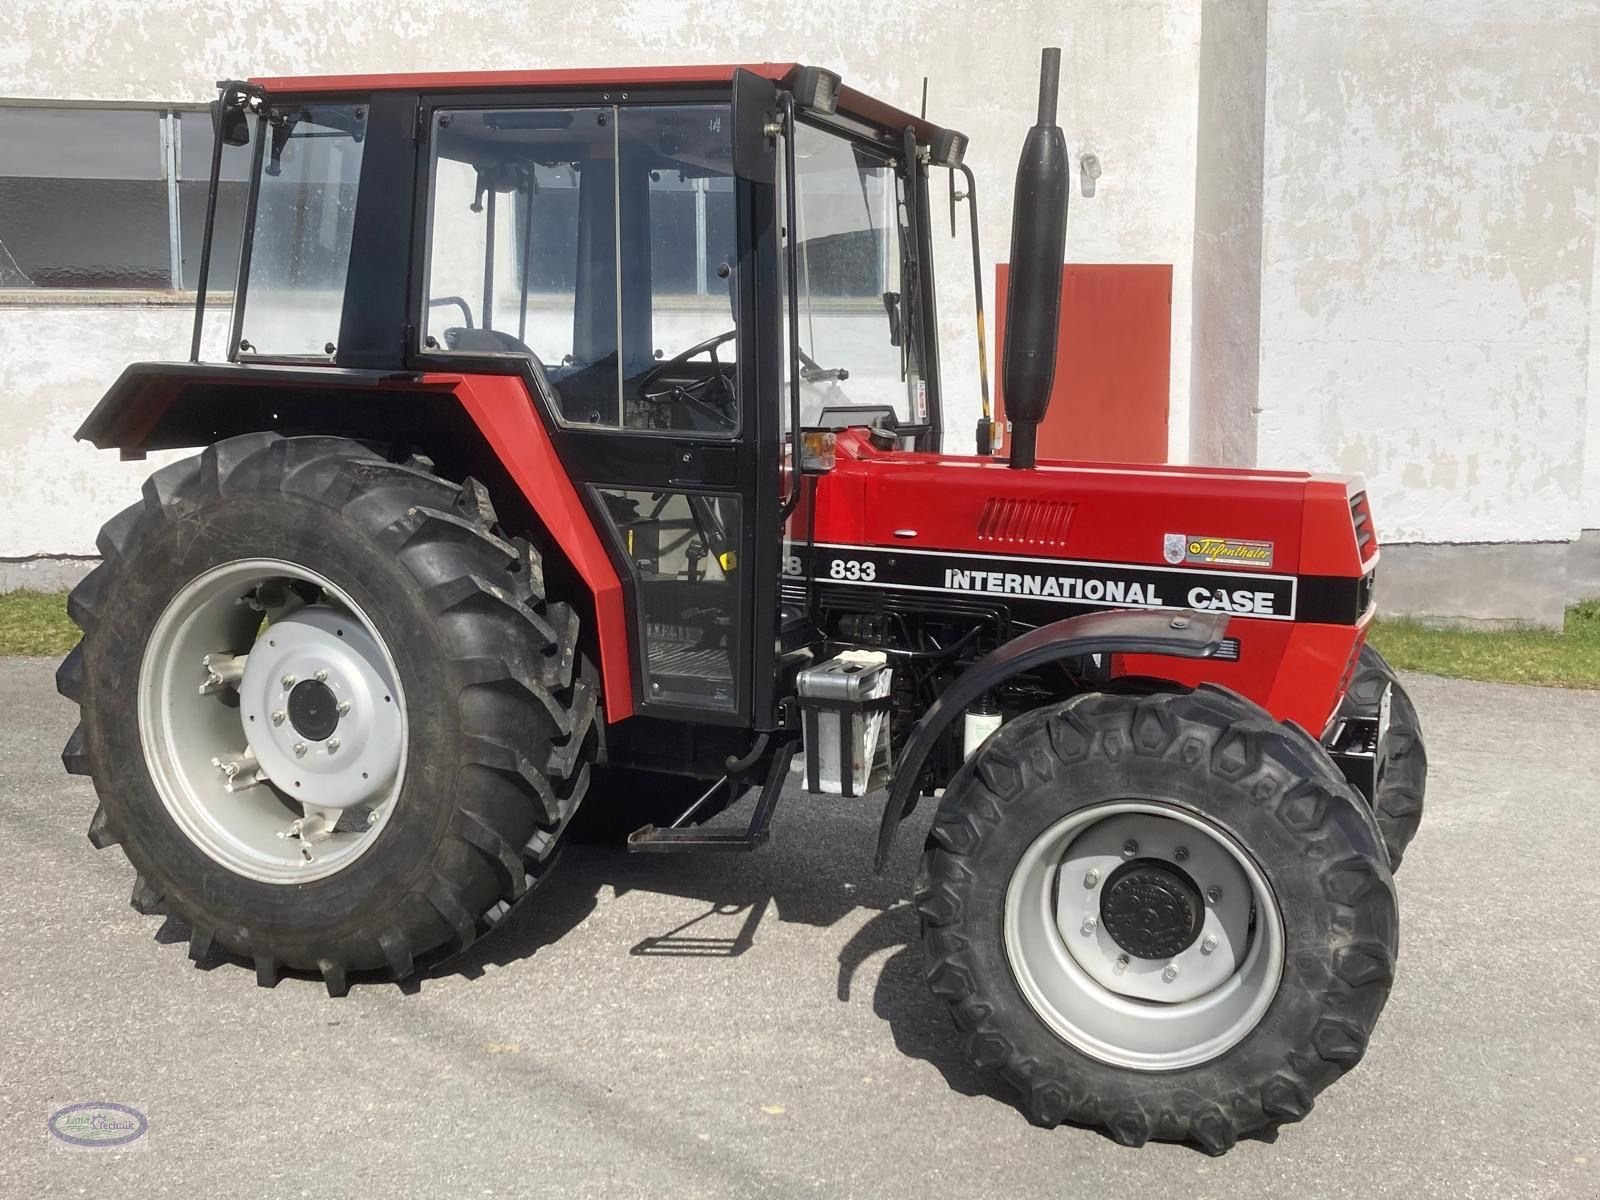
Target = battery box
(844,709)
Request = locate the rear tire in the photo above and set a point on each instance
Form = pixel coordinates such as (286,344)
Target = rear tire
(1402,759)
(1238,787)
(497,725)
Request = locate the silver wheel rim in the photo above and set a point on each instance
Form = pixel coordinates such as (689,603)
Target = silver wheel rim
(1142,1013)
(284,786)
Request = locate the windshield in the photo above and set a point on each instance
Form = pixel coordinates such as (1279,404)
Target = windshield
(854,348)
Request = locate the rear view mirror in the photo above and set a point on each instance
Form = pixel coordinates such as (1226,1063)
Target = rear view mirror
(229,121)
(891,305)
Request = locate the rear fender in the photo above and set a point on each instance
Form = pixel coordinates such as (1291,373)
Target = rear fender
(1167,633)
(161,406)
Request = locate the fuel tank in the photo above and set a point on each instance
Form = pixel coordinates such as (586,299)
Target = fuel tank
(1290,556)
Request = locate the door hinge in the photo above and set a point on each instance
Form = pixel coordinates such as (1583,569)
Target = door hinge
(419,126)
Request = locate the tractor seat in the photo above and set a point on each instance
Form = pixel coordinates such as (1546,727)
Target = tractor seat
(485,341)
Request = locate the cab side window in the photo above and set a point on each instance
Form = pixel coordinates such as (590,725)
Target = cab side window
(597,243)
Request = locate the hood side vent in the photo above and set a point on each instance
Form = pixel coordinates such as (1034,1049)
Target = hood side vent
(1014,522)
(1361,517)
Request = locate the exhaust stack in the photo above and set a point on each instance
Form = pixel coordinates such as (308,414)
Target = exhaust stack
(1038,245)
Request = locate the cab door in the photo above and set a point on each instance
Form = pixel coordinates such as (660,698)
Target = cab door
(613,254)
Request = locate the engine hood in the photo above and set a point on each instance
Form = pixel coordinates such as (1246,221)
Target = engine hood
(1212,519)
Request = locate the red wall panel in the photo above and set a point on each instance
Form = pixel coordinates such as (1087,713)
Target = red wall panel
(1113,368)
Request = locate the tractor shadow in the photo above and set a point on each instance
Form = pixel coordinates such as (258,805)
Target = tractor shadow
(816,872)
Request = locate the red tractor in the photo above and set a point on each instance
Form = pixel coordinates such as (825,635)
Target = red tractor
(573,461)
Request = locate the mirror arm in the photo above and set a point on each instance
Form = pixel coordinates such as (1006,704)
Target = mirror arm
(229,89)
(985,433)
(791,271)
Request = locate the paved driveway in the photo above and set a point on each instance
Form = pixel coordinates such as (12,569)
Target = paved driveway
(757,1026)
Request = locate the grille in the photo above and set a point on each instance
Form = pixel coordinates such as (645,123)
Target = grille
(1012,522)
(1361,516)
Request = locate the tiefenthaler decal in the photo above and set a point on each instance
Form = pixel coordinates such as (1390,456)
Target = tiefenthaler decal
(1230,552)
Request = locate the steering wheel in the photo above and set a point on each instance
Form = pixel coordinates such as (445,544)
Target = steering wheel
(712,395)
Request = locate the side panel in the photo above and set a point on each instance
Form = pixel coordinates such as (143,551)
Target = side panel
(500,407)
(1297,672)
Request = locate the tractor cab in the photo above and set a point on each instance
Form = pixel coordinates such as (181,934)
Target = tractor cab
(627,243)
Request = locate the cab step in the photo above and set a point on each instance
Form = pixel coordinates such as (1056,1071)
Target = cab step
(680,839)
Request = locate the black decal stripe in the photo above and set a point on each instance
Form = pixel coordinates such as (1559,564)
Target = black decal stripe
(1045,589)
(1057,586)
(1334,599)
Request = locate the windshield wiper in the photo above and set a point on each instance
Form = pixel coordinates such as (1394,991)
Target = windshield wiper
(906,214)
(811,371)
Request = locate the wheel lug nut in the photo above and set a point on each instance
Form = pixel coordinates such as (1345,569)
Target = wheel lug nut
(321,677)
(1214,894)
(1092,878)
(277,717)
(1210,944)
(1181,854)
(333,745)
(1170,973)
(1088,926)
(288,682)
(299,749)
(1130,848)
(1122,964)
(344,708)
(372,816)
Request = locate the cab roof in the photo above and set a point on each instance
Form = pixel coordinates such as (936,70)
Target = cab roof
(851,102)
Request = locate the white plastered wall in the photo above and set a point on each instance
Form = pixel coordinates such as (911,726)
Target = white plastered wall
(1428,258)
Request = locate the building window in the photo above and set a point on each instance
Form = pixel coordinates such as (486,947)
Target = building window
(113,198)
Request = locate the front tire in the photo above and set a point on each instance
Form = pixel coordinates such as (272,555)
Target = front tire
(378,573)
(1219,855)
(1397,800)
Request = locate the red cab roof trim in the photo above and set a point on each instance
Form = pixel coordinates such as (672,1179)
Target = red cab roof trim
(437,81)
(851,102)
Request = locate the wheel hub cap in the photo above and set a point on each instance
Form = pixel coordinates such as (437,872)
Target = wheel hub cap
(340,745)
(1151,909)
(313,709)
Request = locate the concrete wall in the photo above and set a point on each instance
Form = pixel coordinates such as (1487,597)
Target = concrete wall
(1428,258)
(1231,114)
(1128,95)
(1591,438)
(55,361)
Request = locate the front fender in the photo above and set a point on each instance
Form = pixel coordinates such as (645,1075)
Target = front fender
(1183,634)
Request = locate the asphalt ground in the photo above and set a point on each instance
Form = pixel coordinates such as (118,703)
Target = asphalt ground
(758,1025)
